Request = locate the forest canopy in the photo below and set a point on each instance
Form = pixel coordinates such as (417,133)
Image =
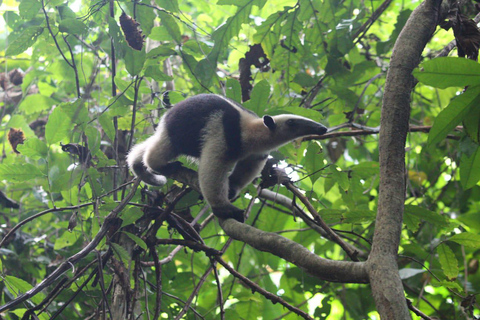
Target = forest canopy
(82,81)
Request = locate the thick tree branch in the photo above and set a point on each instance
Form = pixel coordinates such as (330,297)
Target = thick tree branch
(382,263)
(336,271)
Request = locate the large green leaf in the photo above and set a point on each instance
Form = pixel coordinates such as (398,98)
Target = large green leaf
(259,97)
(36,103)
(447,72)
(19,172)
(28,9)
(471,123)
(453,114)
(170,24)
(205,69)
(33,148)
(24,41)
(58,127)
(468,239)
(470,169)
(72,26)
(448,261)
(134,61)
(18,286)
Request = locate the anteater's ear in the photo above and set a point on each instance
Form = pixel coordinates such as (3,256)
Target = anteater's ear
(269,122)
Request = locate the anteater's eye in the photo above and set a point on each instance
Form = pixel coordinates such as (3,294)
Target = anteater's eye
(290,122)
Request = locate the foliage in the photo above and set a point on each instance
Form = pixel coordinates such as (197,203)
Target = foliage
(86,97)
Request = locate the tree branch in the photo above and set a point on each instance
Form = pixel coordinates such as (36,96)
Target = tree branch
(270,296)
(336,271)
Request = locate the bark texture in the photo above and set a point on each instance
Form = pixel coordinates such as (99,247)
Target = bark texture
(382,265)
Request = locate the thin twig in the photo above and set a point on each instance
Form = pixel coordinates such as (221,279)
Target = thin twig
(158,277)
(352,254)
(255,287)
(375,15)
(47,20)
(219,289)
(74,66)
(35,216)
(66,265)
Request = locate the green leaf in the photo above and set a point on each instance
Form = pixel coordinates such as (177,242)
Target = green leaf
(18,286)
(470,169)
(259,97)
(24,41)
(359,216)
(33,148)
(171,25)
(233,90)
(121,253)
(170,5)
(94,139)
(134,61)
(427,215)
(107,126)
(467,239)
(58,127)
(161,51)
(446,284)
(448,261)
(76,111)
(131,215)
(453,114)
(340,177)
(67,239)
(205,69)
(28,9)
(471,123)
(72,26)
(19,172)
(65,12)
(36,103)
(156,74)
(447,72)
(137,240)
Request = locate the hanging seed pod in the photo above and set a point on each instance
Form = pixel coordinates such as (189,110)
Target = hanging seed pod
(133,34)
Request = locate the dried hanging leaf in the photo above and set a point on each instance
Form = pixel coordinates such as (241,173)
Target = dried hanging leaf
(16,77)
(16,137)
(467,36)
(133,34)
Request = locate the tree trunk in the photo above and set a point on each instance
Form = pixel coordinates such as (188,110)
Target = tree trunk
(382,265)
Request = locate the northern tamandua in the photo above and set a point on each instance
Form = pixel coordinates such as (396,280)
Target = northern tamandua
(230,142)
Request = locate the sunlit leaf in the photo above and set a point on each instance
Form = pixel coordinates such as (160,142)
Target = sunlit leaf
(468,239)
(24,41)
(447,72)
(19,286)
(58,127)
(453,114)
(448,261)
